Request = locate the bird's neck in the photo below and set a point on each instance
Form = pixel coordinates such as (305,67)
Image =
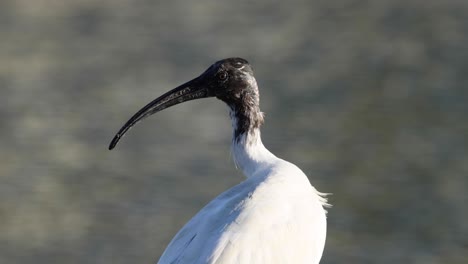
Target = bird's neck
(249,153)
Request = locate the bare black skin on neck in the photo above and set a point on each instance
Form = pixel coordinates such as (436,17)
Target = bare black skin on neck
(240,92)
(230,80)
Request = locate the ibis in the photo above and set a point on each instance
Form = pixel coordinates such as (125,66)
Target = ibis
(275,215)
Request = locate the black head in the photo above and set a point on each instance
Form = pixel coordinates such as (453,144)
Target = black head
(230,80)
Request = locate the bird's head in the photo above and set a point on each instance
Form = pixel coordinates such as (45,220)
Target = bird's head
(230,80)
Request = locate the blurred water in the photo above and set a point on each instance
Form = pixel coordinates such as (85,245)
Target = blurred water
(368,98)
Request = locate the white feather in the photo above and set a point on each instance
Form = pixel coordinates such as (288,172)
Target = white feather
(274,216)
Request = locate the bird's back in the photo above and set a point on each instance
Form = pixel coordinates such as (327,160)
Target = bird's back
(275,216)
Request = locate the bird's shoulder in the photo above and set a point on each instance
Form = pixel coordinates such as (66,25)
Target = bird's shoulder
(268,207)
(195,241)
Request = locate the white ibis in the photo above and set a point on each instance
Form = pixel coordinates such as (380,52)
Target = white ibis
(275,215)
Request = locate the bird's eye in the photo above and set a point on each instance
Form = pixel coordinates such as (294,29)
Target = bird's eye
(222,75)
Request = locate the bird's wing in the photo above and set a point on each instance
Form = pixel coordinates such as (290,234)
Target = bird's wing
(270,219)
(195,242)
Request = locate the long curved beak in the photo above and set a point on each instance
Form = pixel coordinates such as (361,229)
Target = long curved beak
(191,90)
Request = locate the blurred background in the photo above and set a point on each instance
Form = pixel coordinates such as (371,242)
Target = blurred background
(369,98)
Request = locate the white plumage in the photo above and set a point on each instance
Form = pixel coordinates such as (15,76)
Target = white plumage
(275,215)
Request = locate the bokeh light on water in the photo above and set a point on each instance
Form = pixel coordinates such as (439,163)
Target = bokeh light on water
(368,98)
